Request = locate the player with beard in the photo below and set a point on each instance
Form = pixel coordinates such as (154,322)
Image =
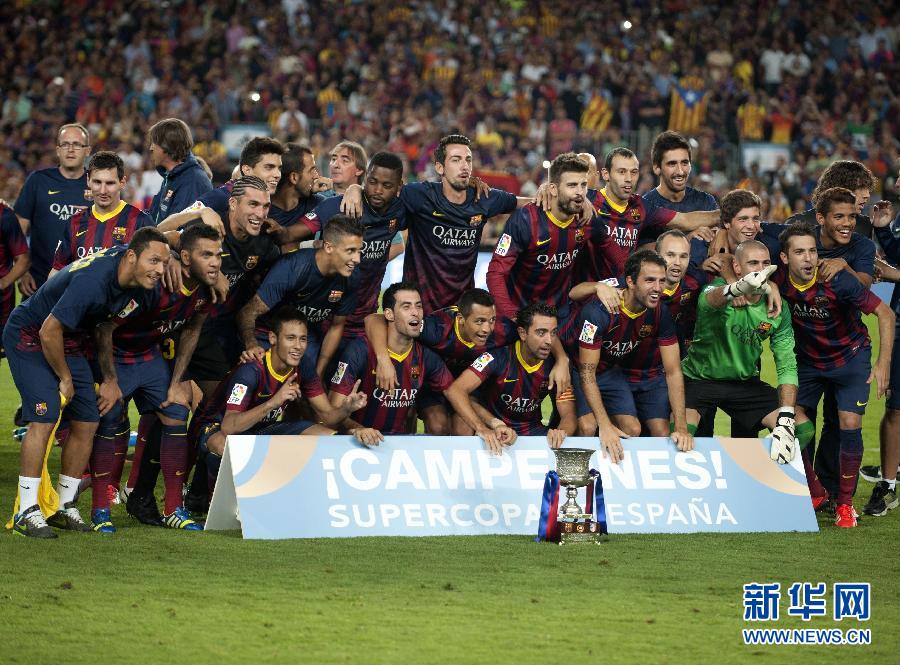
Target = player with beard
(49,198)
(46,339)
(833,347)
(670,156)
(445,220)
(130,353)
(535,256)
(316,282)
(260,157)
(296,195)
(609,346)
(416,367)
(627,217)
(108,222)
(512,382)
(839,248)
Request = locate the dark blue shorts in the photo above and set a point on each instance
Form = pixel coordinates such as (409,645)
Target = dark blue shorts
(148,384)
(893,402)
(848,381)
(38,386)
(621,398)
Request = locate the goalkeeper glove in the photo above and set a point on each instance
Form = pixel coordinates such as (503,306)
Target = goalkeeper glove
(783,448)
(751,284)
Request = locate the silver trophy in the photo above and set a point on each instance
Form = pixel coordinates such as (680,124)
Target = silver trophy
(573,466)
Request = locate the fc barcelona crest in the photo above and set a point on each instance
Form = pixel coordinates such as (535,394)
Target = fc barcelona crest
(763,328)
(40,408)
(686,296)
(335,295)
(392,225)
(579,235)
(119,233)
(821,301)
(169,194)
(251,262)
(475,220)
(415,373)
(645,331)
(635,214)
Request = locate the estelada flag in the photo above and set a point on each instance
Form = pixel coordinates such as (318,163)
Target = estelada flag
(688,110)
(597,114)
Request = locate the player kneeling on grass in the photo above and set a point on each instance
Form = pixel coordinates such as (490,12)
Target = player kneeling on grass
(833,348)
(252,398)
(45,340)
(513,381)
(722,365)
(416,368)
(628,360)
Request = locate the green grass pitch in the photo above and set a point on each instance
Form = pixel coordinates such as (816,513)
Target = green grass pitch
(155,596)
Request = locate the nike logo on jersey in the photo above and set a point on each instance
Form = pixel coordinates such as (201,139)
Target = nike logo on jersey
(51,192)
(179,473)
(81,233)
(858,403)
(542,242)
(509,380)
(438,214)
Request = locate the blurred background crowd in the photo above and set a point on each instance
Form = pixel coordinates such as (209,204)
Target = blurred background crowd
(525,80)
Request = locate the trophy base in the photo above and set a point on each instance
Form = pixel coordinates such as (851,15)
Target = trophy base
(585,531)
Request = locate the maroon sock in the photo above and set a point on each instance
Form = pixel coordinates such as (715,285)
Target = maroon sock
(851,458)
(173,461)
(120,450)
(816,489)
(101,467)
(144,425)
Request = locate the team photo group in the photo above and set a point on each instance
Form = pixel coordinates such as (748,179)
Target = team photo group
(261,307)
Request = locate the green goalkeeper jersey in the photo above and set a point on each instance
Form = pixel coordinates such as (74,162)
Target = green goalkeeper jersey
(728,342)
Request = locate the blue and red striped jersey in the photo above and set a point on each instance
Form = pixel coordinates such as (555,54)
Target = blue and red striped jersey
(682,303)
(253,383)
(626,339)
(534,260)
(605,257)
(138,338)
(827,317)
(12,244)
(441,334)
(88,232)
(296,214)
(376,249)
(443,239)
(389,412)
(513,390)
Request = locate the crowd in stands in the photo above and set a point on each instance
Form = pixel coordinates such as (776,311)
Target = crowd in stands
(527,80)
